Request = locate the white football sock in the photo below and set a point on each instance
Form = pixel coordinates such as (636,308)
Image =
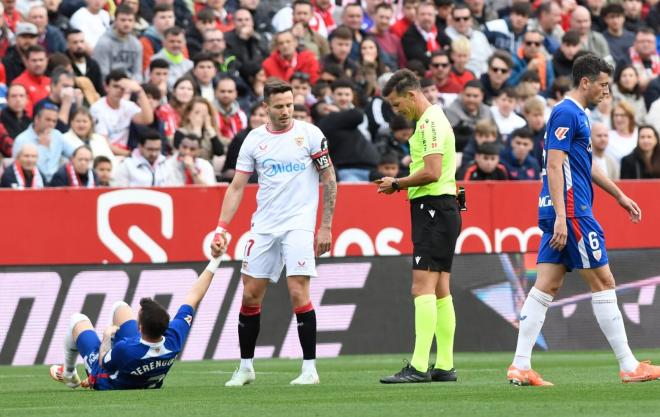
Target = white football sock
(309,365)
(70,347)
(610,321)
(247,364)
(532,317)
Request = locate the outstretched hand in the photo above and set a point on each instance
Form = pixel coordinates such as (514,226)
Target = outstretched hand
(634,212)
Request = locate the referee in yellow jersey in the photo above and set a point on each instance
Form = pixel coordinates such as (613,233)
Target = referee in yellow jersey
(436,224)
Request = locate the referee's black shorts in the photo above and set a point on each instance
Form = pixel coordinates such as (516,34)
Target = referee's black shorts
(436,224)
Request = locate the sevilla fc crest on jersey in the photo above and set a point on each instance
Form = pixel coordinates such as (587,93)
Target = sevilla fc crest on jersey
(299,140)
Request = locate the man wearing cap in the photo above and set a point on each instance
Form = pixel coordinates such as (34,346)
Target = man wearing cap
(50,143)
(33,78)
(26,36)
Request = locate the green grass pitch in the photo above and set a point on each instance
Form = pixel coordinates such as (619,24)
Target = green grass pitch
(587,384)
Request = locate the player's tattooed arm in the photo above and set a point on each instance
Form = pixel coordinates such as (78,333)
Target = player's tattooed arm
(329,182)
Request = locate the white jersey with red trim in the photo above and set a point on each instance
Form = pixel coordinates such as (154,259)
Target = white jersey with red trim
(286,163)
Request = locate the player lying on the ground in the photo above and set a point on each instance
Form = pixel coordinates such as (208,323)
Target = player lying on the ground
(133,354)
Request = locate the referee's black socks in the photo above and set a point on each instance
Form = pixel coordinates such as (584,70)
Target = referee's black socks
(306,318)
(248,329)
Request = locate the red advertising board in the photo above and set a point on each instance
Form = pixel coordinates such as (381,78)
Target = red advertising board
(76,226)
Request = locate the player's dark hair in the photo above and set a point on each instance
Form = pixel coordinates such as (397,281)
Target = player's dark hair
(154,319)
(589,66)
(275,86)
(101,159)
(115,75)
(158,63)
(401,82)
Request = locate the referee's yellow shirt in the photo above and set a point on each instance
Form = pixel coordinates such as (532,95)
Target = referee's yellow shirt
(433,134)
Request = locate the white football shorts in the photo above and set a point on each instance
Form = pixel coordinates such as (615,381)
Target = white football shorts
(266,254)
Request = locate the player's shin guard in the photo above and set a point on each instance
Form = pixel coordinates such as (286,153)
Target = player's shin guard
(249,321)
(306,318)
(610,321)
(532,316)
(426,316)
(444,333)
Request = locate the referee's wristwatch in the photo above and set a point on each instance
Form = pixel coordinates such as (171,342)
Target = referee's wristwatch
(396,186)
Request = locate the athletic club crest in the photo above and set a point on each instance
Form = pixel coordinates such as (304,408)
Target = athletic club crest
(597,254)
(299,140)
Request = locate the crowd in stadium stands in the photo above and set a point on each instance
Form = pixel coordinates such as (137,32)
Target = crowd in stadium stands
(164,92)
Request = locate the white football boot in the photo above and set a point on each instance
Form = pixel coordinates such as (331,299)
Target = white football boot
(57,373)
(242,376)
(307,377)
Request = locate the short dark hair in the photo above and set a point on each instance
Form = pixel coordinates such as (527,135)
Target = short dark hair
(474,84)
(571,37)
(173,31)
(159,8)
(275,86)
(333,69)
(508,91)
(461,6)
(342,83)
(560,86)
(115,75)
(383,5)
(645,29)
(400,82)
(101,159)
(55,60)
(389,158)
(521,8)
(203,57)
(342,32)
(125,8)
(301,3)
(72,31)
(158,63)
(35,49)
(612,8)
(154,319)
(205,15)
(152,91)
(522,132)
(440,52)
(399,122)
(301,107)
(145,133)
(544,8)
(301,76)
(426,82)
(58,73)
(589,66)
(488,148)
(503,56)
(530,77)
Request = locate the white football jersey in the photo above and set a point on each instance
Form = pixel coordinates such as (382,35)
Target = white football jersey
(288,193)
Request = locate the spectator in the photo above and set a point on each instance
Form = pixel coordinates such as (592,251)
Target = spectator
(302,87)
(224,21)
(261,14)
(595,8)
(548,23)
(461,25)
(92,21)
(352,154)
(430,91)
(389,43)
(652,19)
(484,131)
(287,60)
(87,93)
(118,48)
(82,133)
(170,113)
(401,26)
(146,166)
(466,111)
(352,16)
(185,167)
(485,167)
(396,142)
(301,26)
(603,112)
(497,76)
(460,55)
(618,38)
(78,172)
(204,72)
(440,69)
(507,33)
(51,144)
(113,114)
(518,159)
(50,37)
(562,62)
(153,37)
(83,65)
(140,24)
(644,56)
(14,118)
(589,39)
(531,58)
(423,38)
(301,112)
(195,33)
(200,119)
(623,135)
(62,95)
(33,79)
(371,66)
(599,142)
(225,61)
(182,14)
(172,52)
(633,14)
(626,87)
(103,171)
(23,172)
(341,43)
(247,45)
(26,36)
(644,160)
(6,35)
(258,117)
(388,166)
(11,15)
(503,112)
(159,70)
(533,111)
(481,13)
(165,120)
(231,118)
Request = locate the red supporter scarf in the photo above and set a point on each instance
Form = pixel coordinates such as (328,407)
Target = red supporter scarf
(74,180)
(431,38)
(37,181)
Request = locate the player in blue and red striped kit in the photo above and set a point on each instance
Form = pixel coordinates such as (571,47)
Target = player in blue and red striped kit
(572,238)
(134,354)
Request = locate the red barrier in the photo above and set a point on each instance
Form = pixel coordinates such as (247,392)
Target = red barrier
(72,226)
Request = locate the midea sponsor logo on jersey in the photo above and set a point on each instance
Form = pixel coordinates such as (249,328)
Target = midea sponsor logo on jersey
(273,167)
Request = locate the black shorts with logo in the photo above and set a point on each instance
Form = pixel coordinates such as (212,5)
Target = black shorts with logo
(436,224)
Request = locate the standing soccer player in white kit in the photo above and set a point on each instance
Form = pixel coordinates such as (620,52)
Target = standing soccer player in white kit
(289,156)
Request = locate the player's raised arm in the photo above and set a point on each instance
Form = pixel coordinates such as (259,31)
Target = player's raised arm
(230,204)
(600,179)
(201,286)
